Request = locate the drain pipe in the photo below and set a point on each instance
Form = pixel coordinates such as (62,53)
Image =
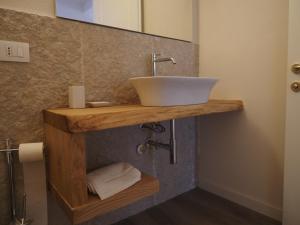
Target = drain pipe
(173,150)
(171,146)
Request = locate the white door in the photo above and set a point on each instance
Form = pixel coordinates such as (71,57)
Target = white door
(291,208)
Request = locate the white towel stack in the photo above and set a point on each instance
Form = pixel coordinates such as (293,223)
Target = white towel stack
(112,179)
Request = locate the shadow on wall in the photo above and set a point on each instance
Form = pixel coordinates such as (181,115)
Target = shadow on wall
(242,164)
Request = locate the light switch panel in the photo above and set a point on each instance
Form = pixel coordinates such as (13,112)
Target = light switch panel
(14,51)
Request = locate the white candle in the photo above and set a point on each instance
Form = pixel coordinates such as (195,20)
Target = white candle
(76,97)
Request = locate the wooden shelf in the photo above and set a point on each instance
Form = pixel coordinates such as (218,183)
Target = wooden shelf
(93,119)
(66,151)
(97,207)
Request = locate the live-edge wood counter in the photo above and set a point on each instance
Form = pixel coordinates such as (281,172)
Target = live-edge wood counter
(93,119)
(65,140)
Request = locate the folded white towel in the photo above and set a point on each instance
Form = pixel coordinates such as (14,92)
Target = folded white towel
(112,179)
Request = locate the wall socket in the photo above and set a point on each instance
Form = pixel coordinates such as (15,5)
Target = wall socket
(12,51)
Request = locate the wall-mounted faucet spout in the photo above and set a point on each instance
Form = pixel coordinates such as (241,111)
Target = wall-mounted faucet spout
(156,59)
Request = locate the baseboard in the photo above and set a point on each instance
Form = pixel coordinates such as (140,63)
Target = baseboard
(241,199)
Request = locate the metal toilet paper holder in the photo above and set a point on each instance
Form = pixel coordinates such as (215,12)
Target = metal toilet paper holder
(11,175)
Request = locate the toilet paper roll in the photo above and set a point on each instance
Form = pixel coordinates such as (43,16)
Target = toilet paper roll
(31,152)
(31,156)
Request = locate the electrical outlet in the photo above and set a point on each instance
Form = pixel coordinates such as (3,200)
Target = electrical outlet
(14,51)
(9,51)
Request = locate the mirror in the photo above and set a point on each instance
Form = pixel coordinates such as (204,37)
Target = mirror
(167,18)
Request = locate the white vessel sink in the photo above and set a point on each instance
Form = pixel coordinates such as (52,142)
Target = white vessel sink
(171,91)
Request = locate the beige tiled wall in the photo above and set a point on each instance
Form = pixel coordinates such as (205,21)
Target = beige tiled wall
(63,53)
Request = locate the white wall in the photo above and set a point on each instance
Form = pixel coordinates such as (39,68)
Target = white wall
(40,7)
(244,43)
(170,18)
(124,14)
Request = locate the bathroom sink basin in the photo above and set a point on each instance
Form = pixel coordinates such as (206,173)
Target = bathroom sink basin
(173,90)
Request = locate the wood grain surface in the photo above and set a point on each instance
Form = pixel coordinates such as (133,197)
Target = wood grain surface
(96,207)
(66,164)
(93,119)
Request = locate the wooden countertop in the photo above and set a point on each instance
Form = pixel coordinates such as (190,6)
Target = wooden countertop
(93,119)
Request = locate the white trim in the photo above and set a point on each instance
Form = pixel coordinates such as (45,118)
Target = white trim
(242,199)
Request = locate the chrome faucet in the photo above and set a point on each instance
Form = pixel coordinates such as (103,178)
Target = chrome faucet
(156,59)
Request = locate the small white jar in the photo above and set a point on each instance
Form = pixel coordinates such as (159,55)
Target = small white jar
(76,97)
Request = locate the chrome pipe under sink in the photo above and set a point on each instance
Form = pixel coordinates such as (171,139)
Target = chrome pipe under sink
(171,146)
